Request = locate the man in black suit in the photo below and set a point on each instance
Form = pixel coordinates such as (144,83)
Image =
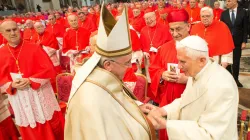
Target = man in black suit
(236,19)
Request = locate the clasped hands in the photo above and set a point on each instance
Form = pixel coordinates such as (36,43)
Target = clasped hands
(155,114)
(20,84)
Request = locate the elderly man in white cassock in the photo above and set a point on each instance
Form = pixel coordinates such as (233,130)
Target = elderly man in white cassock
(207,110)
(100,107)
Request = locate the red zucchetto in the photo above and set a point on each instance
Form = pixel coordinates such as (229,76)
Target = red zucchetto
(178,16)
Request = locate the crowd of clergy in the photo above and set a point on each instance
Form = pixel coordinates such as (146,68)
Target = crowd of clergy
(28,69)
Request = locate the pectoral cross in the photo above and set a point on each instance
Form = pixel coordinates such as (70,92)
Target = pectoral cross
(191,19)
(77,47)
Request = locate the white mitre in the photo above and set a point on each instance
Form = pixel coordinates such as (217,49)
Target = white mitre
(113,40)
(193,42)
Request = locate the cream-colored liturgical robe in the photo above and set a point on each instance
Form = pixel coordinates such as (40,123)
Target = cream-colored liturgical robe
(102,110)
(207,110)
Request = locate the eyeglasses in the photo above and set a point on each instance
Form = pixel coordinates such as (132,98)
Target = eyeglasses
(126,64)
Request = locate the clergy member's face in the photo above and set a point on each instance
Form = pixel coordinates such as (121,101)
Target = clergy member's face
(150,19)
(52,19)
(82,16)
(206,18)
(39,27)
(216,5)
(184,4)
(192,3)
(179,30)
(57,16)
(73,21)
(136,12)
(121,65)
(10,32)
(186,63)
(161,4)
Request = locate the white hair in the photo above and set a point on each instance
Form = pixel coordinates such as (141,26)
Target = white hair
(210,10)
(149,14)
(192,53)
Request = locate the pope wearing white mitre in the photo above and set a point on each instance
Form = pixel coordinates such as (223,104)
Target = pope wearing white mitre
(100,107)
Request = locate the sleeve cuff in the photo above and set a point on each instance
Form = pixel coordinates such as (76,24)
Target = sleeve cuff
(138,102)
(10,90)
(34,85)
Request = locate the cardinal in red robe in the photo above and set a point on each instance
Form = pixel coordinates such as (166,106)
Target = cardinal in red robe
(137,21)
(49,43)
(217,35)
(25,74)
(86,23)
(167,83)
(193,12)
(29,31)
(217,11)
(75,41)
(153,35)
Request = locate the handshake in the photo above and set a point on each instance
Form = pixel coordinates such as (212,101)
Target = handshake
(156,115)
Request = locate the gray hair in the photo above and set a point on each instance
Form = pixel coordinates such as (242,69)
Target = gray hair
(103,59)
(210,10)
(192,53)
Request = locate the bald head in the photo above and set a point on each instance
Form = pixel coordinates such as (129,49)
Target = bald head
(10,32)
(29,23)
(39,27)
(150,19)
(216,5)
(73,21)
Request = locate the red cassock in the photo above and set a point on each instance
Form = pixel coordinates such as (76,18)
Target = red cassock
(158,15)
(138,22)
(29,35)
(88,24)
(217,35)
(33,63)
(157,36)
(217,13)
(194,14)
(8,130)
(165,92)
(97,18)
(61,21)
(92,17)
(75,40)
(49,43)
(57,29)
(136,43)
(2,40)
(130,13)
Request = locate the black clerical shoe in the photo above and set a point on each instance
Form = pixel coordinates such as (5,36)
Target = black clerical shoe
(239,84)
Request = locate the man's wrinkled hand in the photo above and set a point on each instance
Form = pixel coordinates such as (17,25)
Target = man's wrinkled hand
(21,84)
(169,76)
(146,108)
(156,116)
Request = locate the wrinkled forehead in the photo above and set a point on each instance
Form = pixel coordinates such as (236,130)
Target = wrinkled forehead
(175,25)
(8,25)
